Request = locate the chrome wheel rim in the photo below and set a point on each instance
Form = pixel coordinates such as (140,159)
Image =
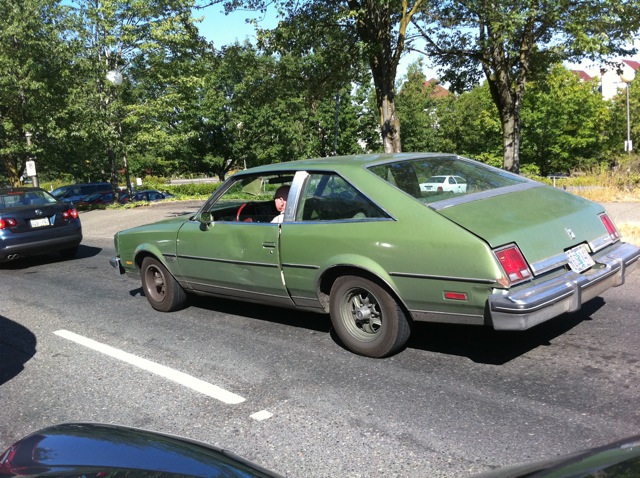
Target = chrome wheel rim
(155,282)
(362,314)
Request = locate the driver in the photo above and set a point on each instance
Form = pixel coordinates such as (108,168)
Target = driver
(280,199)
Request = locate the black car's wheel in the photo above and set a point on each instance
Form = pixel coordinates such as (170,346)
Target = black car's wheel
(69,253)
(161,289)
(367,318)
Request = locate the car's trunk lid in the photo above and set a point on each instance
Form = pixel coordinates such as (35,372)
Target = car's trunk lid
(542,221)
(32,217)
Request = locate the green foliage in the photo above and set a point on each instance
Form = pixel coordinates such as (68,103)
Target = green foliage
(195,189)
(186,109)
(510,46)
(35,67)
(563,123)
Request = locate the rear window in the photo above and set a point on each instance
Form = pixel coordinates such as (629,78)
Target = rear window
(425,178)
(20,198)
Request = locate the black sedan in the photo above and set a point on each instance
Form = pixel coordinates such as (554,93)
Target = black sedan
(149,195)
(33,222)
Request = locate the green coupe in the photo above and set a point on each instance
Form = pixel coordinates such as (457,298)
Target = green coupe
(359,239)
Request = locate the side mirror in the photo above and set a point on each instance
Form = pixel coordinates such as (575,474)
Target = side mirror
(205,219)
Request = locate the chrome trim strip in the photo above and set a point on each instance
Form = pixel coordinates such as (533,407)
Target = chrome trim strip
(300,266)
(228,261)
(600,243)
(449,278)
(439,205)
(553,262)
(446,317)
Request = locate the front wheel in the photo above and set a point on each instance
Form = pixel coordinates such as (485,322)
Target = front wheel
(161,289)
(367,318)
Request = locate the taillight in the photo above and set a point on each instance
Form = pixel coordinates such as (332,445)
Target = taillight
(8,222)
(610,227)
(513,264)
(70,213)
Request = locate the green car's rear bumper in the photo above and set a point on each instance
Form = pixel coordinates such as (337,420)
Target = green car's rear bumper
(537,303)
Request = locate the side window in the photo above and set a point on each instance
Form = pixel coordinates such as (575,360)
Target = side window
(328,197)
(252,199)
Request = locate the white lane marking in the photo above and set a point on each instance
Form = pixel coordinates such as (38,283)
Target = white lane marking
(261,415)
(193,383)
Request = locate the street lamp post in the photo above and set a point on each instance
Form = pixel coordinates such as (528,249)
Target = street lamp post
(31,164)
(115,77)
(627,77)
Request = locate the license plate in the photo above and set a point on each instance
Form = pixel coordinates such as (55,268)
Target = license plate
(40,222)
(579,259)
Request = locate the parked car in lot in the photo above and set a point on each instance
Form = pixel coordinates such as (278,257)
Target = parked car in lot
(76,192)
(97,450)
(149,195)
(33,222)
(454,184)
(96,200)
(362,242)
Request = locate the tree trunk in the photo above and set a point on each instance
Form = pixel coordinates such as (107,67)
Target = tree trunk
(11,170)
(511,142)
(390,125)
(508,102)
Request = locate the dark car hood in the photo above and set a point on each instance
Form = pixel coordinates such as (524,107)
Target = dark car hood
(76,449)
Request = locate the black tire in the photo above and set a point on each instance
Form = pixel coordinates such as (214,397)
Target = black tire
(367,318)
(69,253)
(160,288)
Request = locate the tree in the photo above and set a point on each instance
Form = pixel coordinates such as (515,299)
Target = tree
(472,126)
(617,126)
(510,43)
(376,28)
(422,106)
(34,66)
(563,123)
(150,44)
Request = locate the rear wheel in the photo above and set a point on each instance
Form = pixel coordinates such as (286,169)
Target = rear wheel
(161,289)
(367,318)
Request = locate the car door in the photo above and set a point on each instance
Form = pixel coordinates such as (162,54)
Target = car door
(232,257)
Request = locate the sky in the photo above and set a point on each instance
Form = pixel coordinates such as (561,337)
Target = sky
(224,29)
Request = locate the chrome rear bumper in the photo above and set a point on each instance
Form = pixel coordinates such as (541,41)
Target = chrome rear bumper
(537,303)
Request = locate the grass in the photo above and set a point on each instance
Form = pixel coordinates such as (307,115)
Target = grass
(630,232)
(619,185)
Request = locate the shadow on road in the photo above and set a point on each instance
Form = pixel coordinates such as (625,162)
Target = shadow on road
(294,318)
(485,345)
(17,346)
(51,258)
(478,343)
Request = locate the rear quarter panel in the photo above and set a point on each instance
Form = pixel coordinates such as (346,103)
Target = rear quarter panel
(418,254)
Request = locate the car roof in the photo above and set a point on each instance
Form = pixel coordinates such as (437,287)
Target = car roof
(20,189)
(344,162)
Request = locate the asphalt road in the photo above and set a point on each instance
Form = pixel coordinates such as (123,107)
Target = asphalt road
(458,400)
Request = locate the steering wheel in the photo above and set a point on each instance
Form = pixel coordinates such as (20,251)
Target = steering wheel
(239,211)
